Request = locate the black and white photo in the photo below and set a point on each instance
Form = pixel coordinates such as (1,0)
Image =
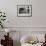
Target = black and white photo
(24,10)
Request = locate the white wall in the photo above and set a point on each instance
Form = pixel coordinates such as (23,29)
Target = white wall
(35,23)
(38,18)
(39,13)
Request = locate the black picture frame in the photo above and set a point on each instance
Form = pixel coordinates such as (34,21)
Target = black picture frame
(24,10)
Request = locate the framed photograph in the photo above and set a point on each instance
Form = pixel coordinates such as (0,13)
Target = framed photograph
(24,10)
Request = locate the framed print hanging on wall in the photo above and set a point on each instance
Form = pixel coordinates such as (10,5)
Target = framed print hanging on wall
(24,10)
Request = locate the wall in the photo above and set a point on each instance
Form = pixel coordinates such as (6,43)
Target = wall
(38,18)
(35,23)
